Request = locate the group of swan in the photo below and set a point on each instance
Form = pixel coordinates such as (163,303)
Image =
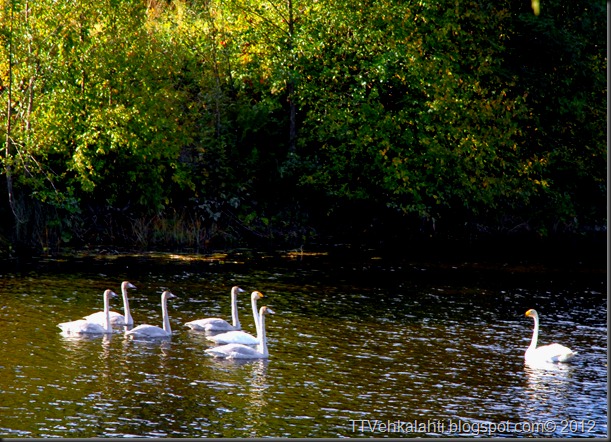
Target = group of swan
(243,351)
(83,326)
(237,344)
(104,321)
(116,319)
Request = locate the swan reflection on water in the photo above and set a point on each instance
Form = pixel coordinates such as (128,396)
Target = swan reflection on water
(538,368)
(146,346)
(258,388)
(74,342)
(548,388)
(547,377)
(259,365)
(255,385)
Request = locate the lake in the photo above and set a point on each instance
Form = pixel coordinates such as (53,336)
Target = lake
(360,346)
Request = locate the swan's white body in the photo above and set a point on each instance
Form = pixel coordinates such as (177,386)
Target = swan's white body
(218,324)
(239,336)
(152,331)
(116,319)
(241,351)
(545,353)
(82,326)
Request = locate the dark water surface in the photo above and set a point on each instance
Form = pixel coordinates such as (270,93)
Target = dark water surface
(362,347)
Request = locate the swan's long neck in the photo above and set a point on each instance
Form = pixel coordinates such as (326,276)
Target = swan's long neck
(234,310)
(255,314)
(107,326)
(533,342)
(164,314)
(262,347)
(127,315)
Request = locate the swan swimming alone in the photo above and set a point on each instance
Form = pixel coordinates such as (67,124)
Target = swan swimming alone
(116,319)
(545,353)
(241,351)
(82,326)
(152,331)
(239,336)
(218,324)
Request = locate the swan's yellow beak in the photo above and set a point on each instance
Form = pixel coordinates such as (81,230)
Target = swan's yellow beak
(529,312)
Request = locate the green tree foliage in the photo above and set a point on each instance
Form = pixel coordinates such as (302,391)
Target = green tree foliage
(407,107)
(111,109)
(98,123)
(243,118)
(559,61)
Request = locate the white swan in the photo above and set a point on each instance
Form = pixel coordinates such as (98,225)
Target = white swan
(152,331)
(239,336)
(116,319)
(545,353)
(82,326)
(218,324)
(241,351)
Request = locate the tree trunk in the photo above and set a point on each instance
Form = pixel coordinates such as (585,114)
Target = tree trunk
(291,84)
(8,140)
